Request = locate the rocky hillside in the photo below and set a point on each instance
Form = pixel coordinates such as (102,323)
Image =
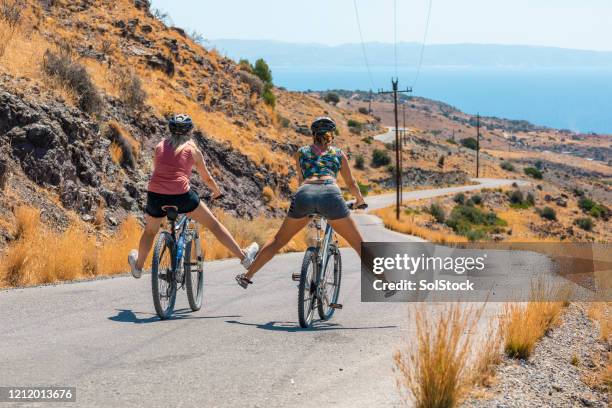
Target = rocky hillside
(85,87)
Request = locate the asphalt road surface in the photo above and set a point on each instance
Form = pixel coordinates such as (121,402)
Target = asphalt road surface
(243,349)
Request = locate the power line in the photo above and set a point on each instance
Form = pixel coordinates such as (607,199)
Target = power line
(418,72)
(363,47)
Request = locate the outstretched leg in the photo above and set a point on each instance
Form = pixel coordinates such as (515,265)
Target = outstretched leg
(152,225)
(347,228)
(287,230)
(205,217)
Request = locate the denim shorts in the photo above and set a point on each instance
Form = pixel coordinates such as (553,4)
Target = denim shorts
(323,199)
(185,203)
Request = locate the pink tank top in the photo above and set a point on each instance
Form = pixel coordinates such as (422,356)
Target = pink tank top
(172,170)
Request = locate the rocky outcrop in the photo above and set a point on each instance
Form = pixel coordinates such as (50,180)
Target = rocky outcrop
(62,149)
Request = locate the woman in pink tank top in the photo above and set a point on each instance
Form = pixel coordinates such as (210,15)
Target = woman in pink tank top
(174,159)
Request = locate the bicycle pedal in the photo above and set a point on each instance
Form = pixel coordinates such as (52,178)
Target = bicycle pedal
(335,305)
(295,277)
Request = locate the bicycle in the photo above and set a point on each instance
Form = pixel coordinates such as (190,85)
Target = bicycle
(172,267)
(319,284)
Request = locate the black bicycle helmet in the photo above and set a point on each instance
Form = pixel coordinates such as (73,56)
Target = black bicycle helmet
(180,124)
(322,125)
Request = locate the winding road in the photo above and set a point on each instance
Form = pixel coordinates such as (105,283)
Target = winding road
(243,349)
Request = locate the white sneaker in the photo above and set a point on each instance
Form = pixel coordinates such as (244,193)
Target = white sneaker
(250,253)
(132,258)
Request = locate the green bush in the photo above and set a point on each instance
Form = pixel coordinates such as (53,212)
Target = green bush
(364,111)
(586,204)
(269,97)
(476,199)
(548,213)
(367,140)
(594,209)
(470,143)
(585,223)
(533,172)
(391,169)
(355,126)
(437,212)
(459,198)
(507,166)
(380,158)
(331,98)
(359,162)
(473,222)
(451,141)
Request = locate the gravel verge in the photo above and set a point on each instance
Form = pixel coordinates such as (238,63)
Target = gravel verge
(555,374)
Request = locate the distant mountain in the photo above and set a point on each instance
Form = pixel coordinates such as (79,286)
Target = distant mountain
(282,54)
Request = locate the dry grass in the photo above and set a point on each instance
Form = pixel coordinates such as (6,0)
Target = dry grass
(525,323)
(40,255)
(259,230)
(408,225)
(438,370)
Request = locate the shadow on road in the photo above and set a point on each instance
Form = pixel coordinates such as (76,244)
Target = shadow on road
(128,316)
(291,327)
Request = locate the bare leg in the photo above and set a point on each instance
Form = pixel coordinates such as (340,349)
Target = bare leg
(348,229)
(287,230)
(146,239)
(203,216)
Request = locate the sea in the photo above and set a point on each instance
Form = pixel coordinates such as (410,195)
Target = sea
(578,99)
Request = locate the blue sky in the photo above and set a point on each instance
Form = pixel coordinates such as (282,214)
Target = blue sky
(582,24)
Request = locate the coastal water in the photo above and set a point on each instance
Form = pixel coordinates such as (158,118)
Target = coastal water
(568,98)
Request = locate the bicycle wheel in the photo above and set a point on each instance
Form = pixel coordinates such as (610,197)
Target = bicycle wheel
(331,283)
(162,278)
(307,288)
(194,276)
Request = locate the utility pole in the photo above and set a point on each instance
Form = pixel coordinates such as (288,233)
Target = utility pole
(370,103)
(404,124)
(477,145)
(398,163)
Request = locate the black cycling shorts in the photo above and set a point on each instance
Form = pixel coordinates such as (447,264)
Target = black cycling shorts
(185,203)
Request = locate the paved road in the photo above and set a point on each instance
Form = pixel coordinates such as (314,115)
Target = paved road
(243,349)
(388,137)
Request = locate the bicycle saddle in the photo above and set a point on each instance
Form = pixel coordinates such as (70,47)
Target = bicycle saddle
(171,212)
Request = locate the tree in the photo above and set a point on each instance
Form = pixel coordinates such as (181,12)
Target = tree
(262,70)
(332,98)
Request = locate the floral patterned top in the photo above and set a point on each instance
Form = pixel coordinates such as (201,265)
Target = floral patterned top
(316,165)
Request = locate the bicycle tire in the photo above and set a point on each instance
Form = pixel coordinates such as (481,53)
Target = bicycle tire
(307,288)
(164,246)
(195,289)
(326,312)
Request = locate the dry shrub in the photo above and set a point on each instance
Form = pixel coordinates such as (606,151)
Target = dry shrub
(72,74)
(255,84)
(525,323)
(130,89)
(268,194)
(123,141)
(437,371)
(116,153)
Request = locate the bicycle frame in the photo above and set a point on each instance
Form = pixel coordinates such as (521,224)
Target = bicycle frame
(322,246)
